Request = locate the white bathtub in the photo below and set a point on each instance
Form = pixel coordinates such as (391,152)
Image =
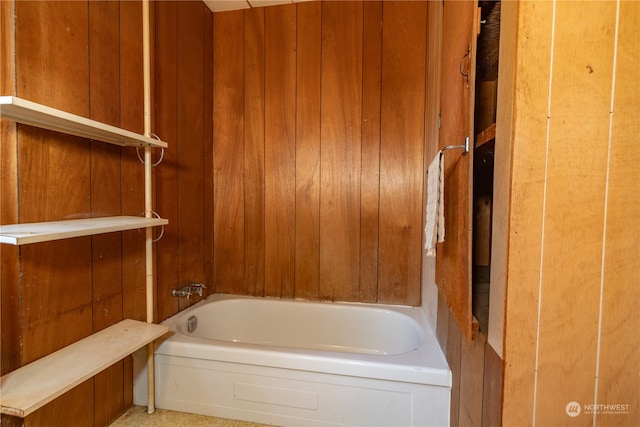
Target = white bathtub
(298,363)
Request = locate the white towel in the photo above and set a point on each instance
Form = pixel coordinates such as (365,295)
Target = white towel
(434,228)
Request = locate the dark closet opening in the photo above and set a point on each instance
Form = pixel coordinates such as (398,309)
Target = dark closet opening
(485,125)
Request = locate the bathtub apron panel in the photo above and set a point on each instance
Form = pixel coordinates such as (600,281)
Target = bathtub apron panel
(389,370)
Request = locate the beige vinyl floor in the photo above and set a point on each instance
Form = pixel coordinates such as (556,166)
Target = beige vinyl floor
(137,417)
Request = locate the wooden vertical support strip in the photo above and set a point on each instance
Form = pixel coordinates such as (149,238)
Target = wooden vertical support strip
(148,207)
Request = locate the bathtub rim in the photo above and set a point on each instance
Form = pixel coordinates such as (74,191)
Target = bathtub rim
(339,317)
(424,365)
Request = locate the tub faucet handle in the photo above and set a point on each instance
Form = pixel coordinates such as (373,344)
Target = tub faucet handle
(188,290)
(197,288)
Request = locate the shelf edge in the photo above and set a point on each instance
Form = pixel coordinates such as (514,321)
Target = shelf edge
(38,115)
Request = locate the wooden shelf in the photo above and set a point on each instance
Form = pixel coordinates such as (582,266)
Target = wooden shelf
(35,232)
(34,385)
(486,135)
(33,114)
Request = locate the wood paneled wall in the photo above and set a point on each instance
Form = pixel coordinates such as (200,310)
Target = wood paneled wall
(85,57)
(572,331)
(476,373)
(183,117)
(319,112)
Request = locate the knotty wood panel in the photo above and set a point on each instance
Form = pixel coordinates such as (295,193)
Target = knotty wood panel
(402,151)
(575,177)
(571,203)
(619,349)
(341,140)
(280,127)
(453,259)
(308,95)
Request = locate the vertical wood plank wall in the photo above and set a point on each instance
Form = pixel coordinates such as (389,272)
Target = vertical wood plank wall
(340,145)
(85,57)
(315,190)
(319,150)
(572,331)
(107,268)
(9,268)
(183,76)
